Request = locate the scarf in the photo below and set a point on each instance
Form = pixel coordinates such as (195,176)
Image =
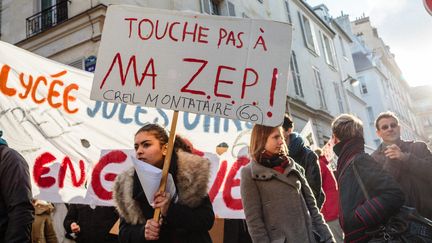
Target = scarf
(346,150)
(2,141)
(277,162)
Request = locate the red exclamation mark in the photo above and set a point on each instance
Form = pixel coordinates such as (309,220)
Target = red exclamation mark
(272,89)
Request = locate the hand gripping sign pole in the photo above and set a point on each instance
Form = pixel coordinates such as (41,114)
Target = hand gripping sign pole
(167,161)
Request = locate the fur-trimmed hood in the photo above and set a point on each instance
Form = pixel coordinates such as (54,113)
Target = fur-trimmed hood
(192,177)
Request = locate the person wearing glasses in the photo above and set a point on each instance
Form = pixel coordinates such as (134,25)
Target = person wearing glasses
(409,162)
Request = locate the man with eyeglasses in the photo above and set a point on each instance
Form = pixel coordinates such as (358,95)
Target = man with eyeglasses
(409,162)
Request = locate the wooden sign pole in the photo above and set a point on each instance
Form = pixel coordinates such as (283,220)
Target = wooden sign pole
(167,161)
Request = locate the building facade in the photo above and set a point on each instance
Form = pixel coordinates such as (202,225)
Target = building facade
(321,64)
(421,96)
(381,83)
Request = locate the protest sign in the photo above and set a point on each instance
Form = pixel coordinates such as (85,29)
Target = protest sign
(220,66)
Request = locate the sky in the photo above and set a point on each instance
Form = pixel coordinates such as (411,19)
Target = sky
(404,25)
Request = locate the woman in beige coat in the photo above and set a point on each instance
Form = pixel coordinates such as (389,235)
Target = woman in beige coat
(278,203)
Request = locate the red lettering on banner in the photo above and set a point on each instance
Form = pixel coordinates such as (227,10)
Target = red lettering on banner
(171,31)
(201,35)
(245,78)
(62,173)
(185,88)
(151,29)
(230,37)
(39,170)
(147,29)
(115,156)
(230,201)
(220,176)
(260,41)
(123,75)
(130,24)
(218,80)
(193,32)
(222,34)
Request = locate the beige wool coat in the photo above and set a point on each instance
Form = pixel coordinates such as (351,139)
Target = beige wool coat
(280,207)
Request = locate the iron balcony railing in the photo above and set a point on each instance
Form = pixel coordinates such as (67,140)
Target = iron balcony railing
(47,18)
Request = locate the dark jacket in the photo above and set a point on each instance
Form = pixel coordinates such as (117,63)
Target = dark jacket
(188,219)
(414,174)
(307,158)
(95,224)
(16,208)
(358,214)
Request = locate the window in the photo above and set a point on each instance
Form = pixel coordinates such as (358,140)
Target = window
(308,34)
(77,64)
(296,75)
(371,115)
(427,121)
(363,87)
(320,88)
(338,97)
(231,9)
(209,7)
(342,47)
(288,11)
(329,52)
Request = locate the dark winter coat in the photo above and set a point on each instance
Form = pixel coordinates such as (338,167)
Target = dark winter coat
(358,214)
(16,208)
(95,224)
(280,207)
(414,175)
(188,220)
(307,158)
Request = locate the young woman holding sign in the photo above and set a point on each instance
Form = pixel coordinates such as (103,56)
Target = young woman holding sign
(278,202)
(186,216)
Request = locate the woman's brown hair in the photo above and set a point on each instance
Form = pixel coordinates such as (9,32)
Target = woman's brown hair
(258,140)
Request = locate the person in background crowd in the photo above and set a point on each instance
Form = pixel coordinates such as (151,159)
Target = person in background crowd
(358,214)
(186,216)
(221,148)
(16,208)
(278,203)
(86,224)
(43,228)
(305,157)
(330,209)
(409,162)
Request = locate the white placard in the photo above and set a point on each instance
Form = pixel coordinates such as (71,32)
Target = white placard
(150,177)
(220,66)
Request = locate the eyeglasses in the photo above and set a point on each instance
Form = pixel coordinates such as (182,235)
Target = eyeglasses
(385,127)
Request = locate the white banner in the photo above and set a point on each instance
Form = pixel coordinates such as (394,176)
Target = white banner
(220,66)
(46,115)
